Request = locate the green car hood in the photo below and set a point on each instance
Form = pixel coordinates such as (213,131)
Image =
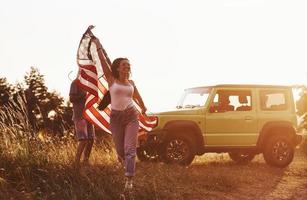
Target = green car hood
(182,111)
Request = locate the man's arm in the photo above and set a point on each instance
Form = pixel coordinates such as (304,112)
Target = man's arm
(73,98)
(74,94)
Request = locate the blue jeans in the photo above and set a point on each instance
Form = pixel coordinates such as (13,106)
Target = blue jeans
(124,126)
(84,130)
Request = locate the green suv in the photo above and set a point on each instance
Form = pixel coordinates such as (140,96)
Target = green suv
(242,120)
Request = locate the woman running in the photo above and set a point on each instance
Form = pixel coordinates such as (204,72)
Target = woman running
(124,122)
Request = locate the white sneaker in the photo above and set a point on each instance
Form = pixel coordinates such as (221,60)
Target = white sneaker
(129,184)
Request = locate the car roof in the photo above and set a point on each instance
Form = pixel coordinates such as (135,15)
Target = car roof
(245,86)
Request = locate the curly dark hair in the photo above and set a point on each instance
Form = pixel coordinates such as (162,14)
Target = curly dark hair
(115,66)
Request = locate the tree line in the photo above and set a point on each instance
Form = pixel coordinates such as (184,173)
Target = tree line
(46,110)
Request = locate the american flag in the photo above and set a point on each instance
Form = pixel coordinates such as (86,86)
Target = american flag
(91,79)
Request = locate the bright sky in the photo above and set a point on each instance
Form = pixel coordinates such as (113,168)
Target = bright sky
(171,44)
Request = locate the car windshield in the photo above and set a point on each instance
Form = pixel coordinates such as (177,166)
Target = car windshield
(194,97)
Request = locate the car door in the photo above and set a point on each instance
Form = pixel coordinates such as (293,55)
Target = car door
(231,118)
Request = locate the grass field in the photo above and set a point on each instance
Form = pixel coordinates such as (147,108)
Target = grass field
(44,170)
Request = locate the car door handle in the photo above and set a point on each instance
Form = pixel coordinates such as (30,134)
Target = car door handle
(248,118)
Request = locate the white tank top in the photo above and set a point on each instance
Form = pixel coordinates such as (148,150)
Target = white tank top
(121,96)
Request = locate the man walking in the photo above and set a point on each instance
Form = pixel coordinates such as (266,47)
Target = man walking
(84,131)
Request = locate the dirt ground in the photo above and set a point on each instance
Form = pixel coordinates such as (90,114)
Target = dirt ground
(290,183)
(215,176)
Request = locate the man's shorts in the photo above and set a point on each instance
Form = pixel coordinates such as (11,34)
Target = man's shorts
(84,130)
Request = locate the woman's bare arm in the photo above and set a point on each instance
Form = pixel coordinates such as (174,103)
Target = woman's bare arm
(138,98)
(105,66)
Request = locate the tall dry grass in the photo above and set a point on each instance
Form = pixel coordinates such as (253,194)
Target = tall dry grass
(14,124)
(37,165)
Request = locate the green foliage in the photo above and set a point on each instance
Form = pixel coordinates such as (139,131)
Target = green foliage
(301,104)
(5,91)
(36,94)
(44,110)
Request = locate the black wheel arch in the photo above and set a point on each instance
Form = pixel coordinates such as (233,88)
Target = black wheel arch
(186,127)
(274,128)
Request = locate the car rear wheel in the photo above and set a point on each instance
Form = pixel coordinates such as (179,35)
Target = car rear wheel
(178,150)
(241,157)
(279,151)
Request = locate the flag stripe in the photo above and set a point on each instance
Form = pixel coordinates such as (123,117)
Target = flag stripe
(89,78)
(91,101)
(86,88)
(91,68)
(92,118)
(90,74)
(99,117)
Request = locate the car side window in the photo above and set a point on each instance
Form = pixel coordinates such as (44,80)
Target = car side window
(232,100)
(273,100)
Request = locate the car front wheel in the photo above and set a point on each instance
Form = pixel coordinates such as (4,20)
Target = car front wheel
(178,150)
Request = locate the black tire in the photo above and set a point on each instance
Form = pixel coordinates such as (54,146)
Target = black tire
(278,151)
(241,157)
(145,155)
(178,149)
